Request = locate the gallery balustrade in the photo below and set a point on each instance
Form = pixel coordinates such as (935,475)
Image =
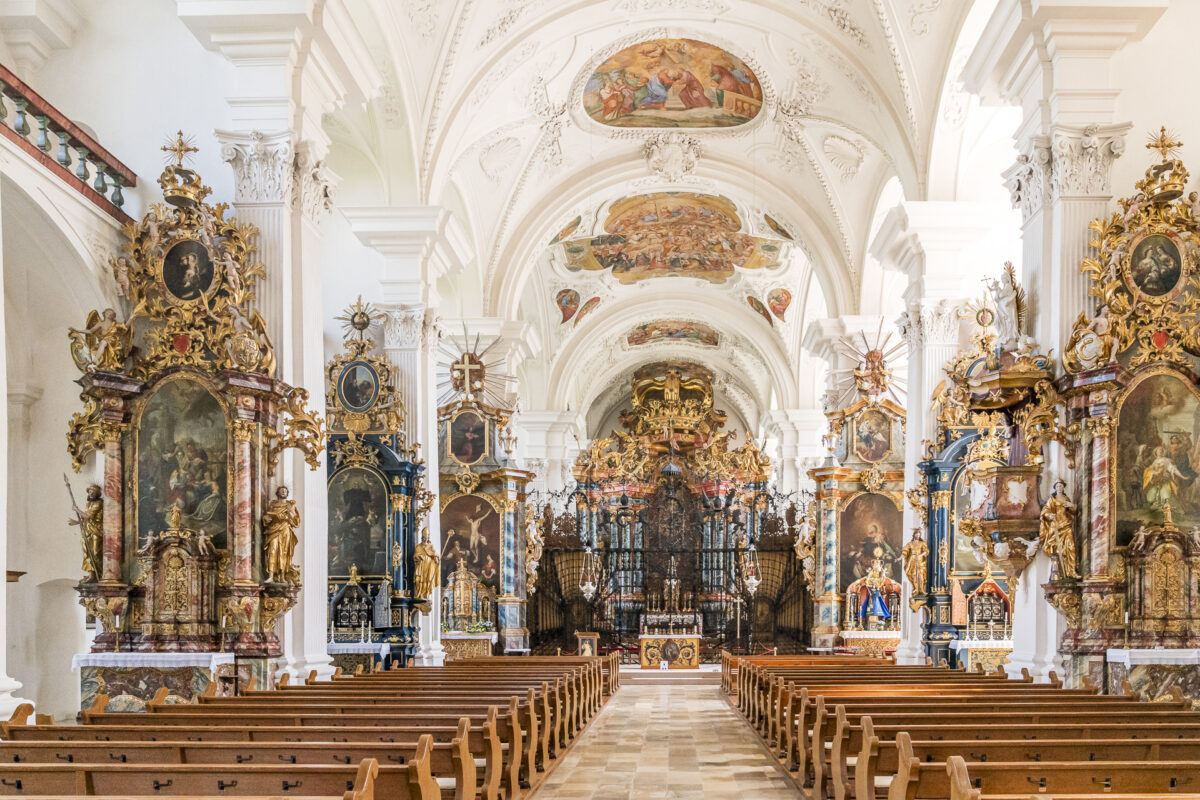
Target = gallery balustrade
(46,134)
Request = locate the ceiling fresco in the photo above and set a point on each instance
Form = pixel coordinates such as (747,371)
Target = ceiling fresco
(667,234)
(673,330)
(672,83)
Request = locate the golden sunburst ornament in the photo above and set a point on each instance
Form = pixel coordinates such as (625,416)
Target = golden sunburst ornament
(359,319)
(180,148)
(1164,142)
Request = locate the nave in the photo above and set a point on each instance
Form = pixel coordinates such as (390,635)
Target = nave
(674,737)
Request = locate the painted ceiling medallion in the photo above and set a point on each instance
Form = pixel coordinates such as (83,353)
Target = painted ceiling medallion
(672,234)
(672,83)
(673,330)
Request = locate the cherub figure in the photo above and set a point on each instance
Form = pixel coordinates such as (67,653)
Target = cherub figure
(103,344)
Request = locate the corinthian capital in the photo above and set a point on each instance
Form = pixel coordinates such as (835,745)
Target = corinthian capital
(1028,180)
(263,165)
(1082,159)
(931,322)
(403,327)
(313,187)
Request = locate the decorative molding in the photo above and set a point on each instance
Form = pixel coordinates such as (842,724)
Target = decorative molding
(671,156)
(930,323)
(1082,159)
(507,20)
(918,15)
(423,15)
(843,65)
(263,165)
(910,109)
(1028,180)
(834,11)
(847,156)
(499,157)
(403,327)
(808,88)
(313,187)
(550,121)
(644,6)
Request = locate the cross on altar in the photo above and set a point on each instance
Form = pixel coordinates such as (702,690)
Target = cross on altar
(464,369)
(180,148)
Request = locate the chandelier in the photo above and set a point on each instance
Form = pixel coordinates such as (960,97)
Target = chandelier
(750,569)
(589,577)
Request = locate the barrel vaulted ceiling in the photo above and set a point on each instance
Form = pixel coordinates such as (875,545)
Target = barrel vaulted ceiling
(784,121)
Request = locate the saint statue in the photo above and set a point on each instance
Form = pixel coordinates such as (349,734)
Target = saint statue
(534,544)
(874,605)
(916,563)
(1057,529)
(91,530)
(426,574)
(1007,297)
(279,529)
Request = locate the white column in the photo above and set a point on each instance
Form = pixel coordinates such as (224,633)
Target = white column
(1054,59)
(419,245)
(549,438)
(286,192)
(799,432)
(8,685)
(931,243)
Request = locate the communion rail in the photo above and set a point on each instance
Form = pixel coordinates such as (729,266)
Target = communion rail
(55,138)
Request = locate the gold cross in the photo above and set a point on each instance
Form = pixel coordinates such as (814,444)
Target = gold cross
(180,148)
(1165,143)
(465,367)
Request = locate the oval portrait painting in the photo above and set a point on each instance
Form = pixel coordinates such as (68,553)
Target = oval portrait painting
(1156,266)
(672,83)
(358,386)
(187,271)
(468,438)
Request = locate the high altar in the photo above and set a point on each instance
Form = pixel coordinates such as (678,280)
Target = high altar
(382,573)
(856,546)
(483,521)
(188,547)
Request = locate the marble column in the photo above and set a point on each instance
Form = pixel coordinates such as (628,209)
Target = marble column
(243,512)
(112,561)
(284,189)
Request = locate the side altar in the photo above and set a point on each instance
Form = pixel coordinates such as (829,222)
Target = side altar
(381,573)
(188,544)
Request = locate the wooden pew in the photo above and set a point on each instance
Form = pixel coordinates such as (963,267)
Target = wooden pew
(961,788)
(933,779)
(880,761)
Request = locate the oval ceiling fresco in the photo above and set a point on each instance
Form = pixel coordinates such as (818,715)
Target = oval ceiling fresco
(672,83)
(673,330)
(672,233)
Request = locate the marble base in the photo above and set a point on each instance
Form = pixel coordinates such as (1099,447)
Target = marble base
(1153,673)
(131,679)
(871,643)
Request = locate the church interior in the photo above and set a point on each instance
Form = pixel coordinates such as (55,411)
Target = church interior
(596,400)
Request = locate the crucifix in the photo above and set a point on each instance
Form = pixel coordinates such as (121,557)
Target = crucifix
(463,369)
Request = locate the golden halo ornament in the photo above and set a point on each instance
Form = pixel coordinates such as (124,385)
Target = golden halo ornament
(358,319)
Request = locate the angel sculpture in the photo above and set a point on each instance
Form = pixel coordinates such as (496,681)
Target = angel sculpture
(1009,300)
(103,344)
(1092,344)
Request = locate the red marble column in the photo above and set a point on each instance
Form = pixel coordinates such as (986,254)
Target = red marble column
(1101,514)
(243,535)
(112,561)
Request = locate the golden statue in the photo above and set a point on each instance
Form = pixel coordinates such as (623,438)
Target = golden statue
(426,574)
(279,528)
(103,344)
(1057,529)
(916,563)
(91,531)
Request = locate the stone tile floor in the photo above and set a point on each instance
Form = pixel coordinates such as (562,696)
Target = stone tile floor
(660,742)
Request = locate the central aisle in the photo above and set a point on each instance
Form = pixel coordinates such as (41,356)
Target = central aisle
(653,742)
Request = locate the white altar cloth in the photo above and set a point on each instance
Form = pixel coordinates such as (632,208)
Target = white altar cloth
(381,649)
(981,644)
(209,661)
(1132,658)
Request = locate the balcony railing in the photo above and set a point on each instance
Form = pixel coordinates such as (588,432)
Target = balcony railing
(61,146)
